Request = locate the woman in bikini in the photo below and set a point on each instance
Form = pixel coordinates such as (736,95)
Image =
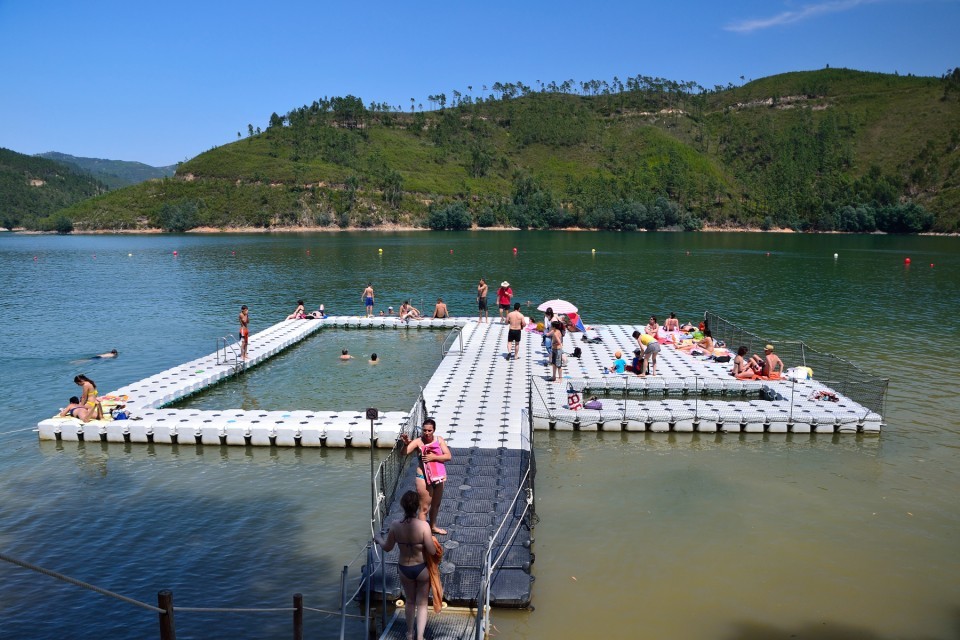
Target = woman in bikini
(298,313)
(652,327)
(742,367)
(75,410)
(88,398)
(412,534)
(432,449)
(671,323)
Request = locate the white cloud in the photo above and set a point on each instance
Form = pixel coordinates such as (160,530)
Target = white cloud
(789,17)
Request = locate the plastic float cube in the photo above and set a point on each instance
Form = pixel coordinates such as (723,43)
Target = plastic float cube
(48,429)
(93,430)
(117,430)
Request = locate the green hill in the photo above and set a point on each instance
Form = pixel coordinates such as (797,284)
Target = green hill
(33,190)
(829,149)
(113,173)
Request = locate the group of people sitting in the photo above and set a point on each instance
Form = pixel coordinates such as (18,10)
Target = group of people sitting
(86,407)
(695,340)
(406,312)
(770,366)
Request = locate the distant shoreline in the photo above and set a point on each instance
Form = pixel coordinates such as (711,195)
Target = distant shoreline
(391,228)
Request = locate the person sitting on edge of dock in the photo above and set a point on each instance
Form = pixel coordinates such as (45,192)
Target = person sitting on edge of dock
(440,311)
(431,473)
(413,536)
(89,397)
(408,311)
(298,313)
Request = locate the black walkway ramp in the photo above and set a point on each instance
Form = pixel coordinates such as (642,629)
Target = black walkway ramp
(488,496)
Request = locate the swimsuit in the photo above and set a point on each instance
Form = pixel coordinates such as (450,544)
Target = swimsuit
(92,398)
(482,303)
(413,571)
(71,414)
(513,335)
(369,301)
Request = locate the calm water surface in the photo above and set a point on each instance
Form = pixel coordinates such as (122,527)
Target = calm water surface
(642,535)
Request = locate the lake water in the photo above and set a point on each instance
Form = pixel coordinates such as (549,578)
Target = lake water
(640,535)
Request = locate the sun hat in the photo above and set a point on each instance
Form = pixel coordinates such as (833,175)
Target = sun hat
(769,347)
(504,284)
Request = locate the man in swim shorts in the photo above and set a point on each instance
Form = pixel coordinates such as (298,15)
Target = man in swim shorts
(482,290)
(515,322)
(368,298)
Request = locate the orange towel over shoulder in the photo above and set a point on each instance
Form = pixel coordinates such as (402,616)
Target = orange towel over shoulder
(433,569)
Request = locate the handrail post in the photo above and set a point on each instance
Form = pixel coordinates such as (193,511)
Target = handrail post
(298,616)
(383,589)
(343,605)
(168,630)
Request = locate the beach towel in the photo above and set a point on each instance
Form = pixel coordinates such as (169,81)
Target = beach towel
(433,570)
(434,471)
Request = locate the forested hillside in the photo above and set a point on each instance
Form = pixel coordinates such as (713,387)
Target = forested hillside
(824,150)
(33,190)
(113,173)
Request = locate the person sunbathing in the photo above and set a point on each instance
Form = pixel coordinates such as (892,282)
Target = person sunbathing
(703,346)
(298,313)
(76,410)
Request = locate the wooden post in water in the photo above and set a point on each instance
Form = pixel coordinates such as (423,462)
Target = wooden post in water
(168,630)
(298,616)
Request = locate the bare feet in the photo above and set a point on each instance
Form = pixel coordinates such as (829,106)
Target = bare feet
(439,531)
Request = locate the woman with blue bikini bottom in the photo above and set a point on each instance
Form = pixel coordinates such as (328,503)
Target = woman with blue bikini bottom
(414,539)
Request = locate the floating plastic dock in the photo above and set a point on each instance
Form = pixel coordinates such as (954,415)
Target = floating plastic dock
(478,396)
(486,407)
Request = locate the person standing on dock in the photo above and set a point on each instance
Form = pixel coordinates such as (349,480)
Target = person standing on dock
(515,322)
(368,298)
(244,319)
(556,351)
(482,290)
(504,293)
(413,536)
(431,472)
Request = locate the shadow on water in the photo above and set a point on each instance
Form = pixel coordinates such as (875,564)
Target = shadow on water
(825,631)
(246,543)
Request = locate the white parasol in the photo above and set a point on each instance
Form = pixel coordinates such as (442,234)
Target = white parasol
(558,306)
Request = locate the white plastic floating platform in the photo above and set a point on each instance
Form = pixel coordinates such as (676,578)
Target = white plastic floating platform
(478,396)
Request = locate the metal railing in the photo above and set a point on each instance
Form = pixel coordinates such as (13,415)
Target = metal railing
(455,335)
(227,346)
(166,610)
(835,372)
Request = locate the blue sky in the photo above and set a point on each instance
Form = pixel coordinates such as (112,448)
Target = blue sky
(162,82)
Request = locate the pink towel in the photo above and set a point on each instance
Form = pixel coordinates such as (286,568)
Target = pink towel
(435,471)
